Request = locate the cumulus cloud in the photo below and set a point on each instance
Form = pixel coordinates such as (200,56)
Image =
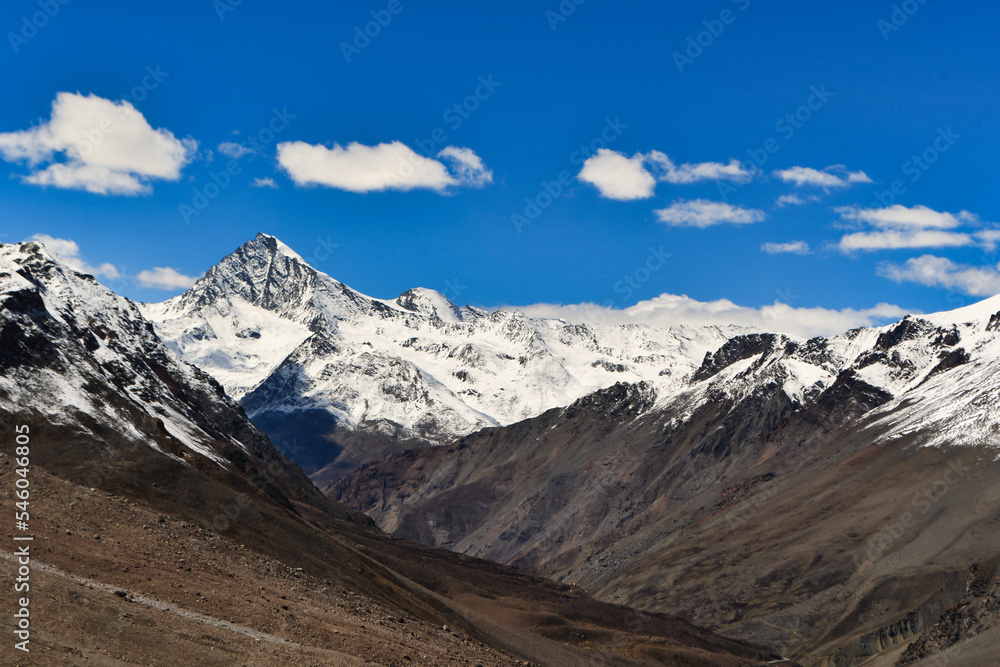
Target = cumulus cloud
(942,272)
(264,183)
(898,226)
(704,213)
(795,200)
(94,144)
(69,252)
(617,176)
(794,247)
(233,150)
(386,166)
(165,278)
(671,310)
(834,176)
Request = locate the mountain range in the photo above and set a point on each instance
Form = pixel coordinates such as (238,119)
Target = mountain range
(337,378)
(165,528)
(835,498)
(832,499)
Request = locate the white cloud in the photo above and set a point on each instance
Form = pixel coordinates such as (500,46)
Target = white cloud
(987,239)
(467,166)
(165,278)
(834,176)
(671,310)
(704,213)
(97,145)
(942,272)
(618,177)
(692,173)
(898,226)
(387,166)
(795,200)
(901,217)
(894,240)
(233,150)
(794,247)
(69,252)
(264,183)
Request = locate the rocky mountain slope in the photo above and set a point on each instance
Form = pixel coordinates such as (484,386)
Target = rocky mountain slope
(79,360)
(166,526)
(826,496)
(337,378)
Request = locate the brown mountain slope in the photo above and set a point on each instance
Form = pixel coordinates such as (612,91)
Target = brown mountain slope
(758,518)
(348,590)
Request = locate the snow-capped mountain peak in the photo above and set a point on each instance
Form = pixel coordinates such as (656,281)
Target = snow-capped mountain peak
(295,344)
(313,360)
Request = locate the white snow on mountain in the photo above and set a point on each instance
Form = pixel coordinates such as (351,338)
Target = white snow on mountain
(70,346)
(289,340)
(940,369)
(284,337)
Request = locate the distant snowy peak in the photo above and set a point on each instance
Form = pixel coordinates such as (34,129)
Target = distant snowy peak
(69,296)
(288,340)
(291,342)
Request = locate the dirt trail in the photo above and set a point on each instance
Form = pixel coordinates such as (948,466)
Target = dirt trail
(131,596)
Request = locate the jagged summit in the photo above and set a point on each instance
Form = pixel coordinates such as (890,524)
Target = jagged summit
(431,303)
(315,360)
(299,347)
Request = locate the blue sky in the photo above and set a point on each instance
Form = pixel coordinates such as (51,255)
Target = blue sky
(662,209)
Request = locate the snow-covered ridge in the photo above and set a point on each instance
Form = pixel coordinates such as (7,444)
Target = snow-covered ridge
(70,343)
(942,371)
(262,319)
(287,339)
